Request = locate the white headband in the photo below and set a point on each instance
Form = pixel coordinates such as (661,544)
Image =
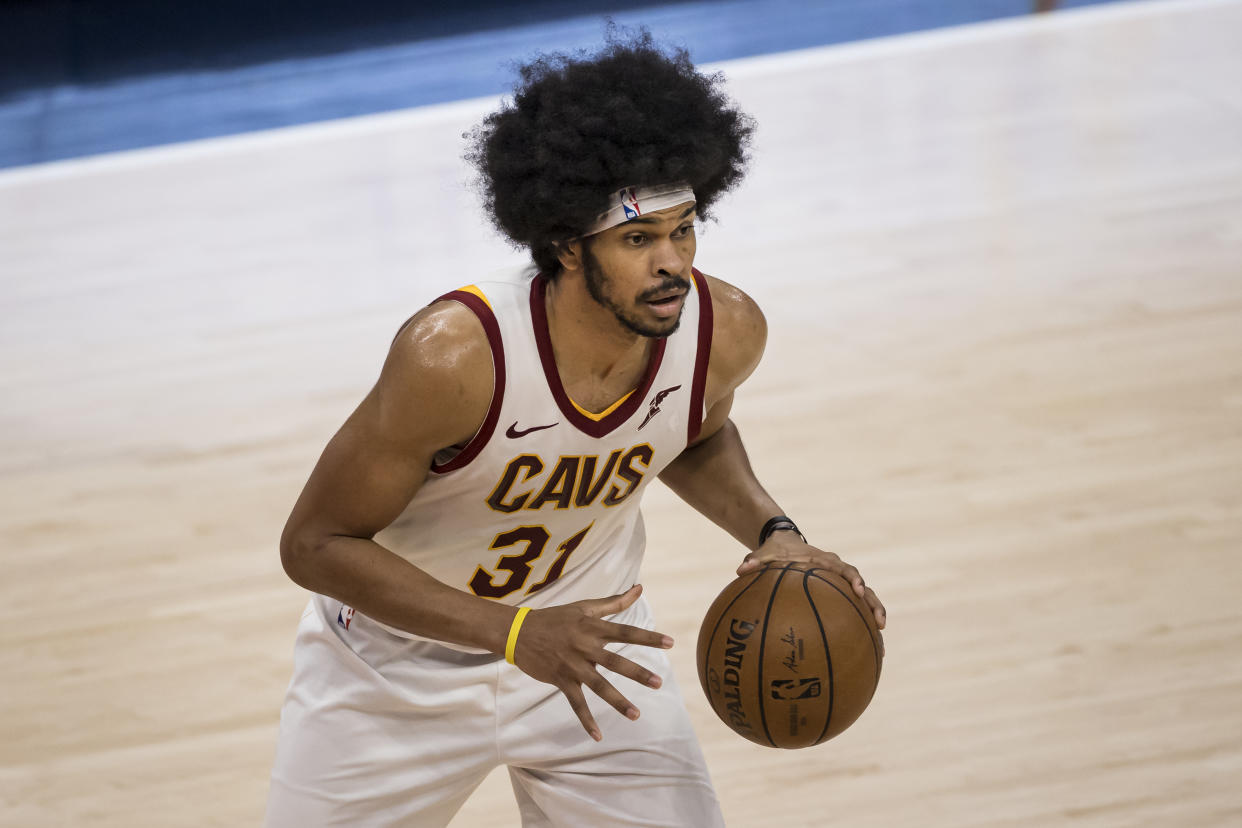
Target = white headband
(632,202)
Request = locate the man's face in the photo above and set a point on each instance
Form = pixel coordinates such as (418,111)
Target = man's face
(640,270)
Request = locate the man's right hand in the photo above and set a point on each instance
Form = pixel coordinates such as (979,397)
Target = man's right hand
(562,646)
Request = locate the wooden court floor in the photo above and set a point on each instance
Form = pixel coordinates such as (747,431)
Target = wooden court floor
(1002,267)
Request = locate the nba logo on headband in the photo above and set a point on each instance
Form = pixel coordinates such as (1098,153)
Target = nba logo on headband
(629,203)
(625,204)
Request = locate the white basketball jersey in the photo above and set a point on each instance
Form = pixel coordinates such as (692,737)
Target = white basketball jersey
(541,506)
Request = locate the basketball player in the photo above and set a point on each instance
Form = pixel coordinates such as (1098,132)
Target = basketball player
(472,533)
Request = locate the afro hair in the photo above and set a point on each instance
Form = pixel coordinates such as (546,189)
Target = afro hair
(581,127)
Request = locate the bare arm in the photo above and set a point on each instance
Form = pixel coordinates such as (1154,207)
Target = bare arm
(714,474)
(434,391)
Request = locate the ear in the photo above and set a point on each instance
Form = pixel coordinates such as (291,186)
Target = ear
(570,254)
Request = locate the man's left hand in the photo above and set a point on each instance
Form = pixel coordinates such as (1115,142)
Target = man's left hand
(787,546)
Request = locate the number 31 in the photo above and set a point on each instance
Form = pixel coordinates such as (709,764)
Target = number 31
(483,583)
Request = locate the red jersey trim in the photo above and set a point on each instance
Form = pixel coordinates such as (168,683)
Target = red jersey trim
(476,443)
(699,383)
(604,425)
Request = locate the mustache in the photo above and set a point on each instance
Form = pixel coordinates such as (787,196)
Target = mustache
(670,283)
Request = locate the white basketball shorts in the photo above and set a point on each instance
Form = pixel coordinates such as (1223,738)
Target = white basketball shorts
(381,730)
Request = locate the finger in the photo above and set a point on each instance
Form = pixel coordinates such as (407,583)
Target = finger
(629,634)
(577,701)
(631,670)
(756,560)
(855,578)
(603,688)
(881,614)
(801,554)
(599,607)
(749,564)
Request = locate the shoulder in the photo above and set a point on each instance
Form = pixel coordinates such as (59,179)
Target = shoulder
(438,375)
(739,334)
(441,338)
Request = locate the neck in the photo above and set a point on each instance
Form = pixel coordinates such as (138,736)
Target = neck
(590,344)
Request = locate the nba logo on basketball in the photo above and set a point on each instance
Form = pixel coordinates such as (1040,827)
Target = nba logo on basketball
(804,688)
(345,617)
(629,203)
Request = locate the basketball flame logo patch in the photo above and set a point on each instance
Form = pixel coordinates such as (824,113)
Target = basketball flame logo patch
(655,404)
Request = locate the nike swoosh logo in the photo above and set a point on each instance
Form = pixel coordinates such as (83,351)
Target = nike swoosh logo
(512,433)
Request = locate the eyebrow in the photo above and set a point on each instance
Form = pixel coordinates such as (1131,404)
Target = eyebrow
(647,220)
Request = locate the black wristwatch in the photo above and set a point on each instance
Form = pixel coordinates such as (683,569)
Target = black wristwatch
(778,524)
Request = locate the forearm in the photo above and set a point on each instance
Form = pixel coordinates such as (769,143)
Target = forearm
(715,478)
(389,589)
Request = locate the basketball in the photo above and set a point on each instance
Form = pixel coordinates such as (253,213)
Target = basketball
(789,656)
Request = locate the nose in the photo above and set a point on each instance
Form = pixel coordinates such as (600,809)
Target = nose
(669,258)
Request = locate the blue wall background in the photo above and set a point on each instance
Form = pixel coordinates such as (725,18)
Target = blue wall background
(81,77)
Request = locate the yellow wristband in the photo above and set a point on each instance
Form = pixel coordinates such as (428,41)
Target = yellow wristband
(511,644)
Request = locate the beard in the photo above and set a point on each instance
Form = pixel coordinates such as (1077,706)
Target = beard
(597,284)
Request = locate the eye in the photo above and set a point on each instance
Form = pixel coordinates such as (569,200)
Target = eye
(683,231)
(636,239)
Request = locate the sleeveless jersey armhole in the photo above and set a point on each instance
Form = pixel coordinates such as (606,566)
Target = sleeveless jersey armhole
(474,299)
(702,355)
